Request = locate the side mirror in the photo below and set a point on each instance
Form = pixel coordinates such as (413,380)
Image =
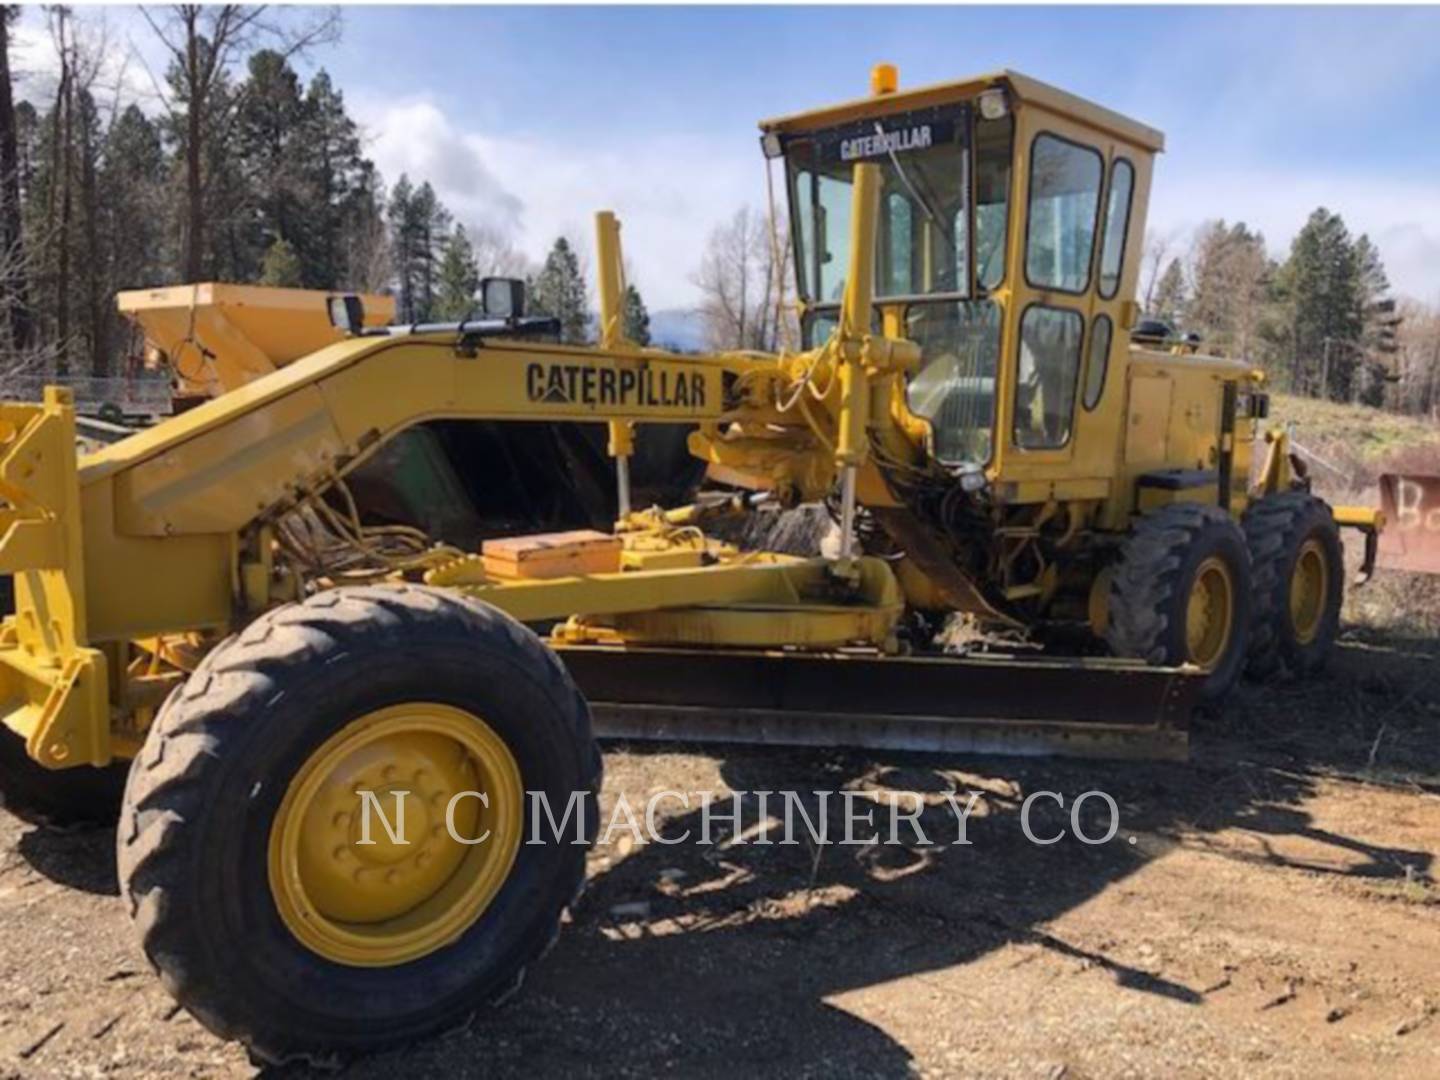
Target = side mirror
(502,298)
(347,313)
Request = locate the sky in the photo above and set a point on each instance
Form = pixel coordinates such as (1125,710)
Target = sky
(530,119)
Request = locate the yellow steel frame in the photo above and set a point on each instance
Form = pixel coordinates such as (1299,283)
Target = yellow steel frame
(53,684)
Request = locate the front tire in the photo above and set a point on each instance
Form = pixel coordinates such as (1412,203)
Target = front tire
(1180,594)
(266,910)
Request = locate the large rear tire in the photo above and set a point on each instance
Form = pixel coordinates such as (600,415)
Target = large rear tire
(65,798)
(1180,594)
(1299,569)
(266,908)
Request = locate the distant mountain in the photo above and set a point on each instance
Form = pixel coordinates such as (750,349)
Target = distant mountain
(678,328)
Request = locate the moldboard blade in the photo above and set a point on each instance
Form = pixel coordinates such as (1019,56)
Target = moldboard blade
(980,704)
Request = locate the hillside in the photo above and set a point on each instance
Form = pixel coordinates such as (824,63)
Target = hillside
(1358,440)
(1372,432)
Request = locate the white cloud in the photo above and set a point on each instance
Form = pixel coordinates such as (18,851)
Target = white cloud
(669,190)
(418,140)
(1401,217)
(122,41)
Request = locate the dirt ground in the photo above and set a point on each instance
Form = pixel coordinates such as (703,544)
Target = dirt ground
(1269,908)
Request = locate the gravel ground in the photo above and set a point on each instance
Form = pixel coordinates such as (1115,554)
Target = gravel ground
(1268,908)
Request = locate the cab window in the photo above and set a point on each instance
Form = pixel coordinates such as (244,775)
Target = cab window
(930,161)
(992,198)
(832,241)
(897,277)
(1117,224)
(1101,332)
(955,386)
(1064,201)
(1050,340)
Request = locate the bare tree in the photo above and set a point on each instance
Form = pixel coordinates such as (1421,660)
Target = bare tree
(1227,270)
(61,165)
(1157,250)
(367,265)
(1417,389)
(496,256)
(12,242)
(20,264)
(742,279)
(204,43)
(81,53)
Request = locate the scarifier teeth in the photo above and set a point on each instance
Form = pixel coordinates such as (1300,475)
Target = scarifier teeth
(466,570)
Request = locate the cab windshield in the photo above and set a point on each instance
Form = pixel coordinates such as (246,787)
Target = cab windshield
(945,179)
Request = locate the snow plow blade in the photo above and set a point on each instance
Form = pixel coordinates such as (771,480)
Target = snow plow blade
(1092,708)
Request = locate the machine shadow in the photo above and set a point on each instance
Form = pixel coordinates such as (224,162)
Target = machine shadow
(80,858)
(737,957)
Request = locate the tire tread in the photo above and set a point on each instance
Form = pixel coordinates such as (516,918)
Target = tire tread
(240,676)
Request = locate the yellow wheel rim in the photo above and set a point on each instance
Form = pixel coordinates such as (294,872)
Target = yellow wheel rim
(1309,589)
(395,899)
(1209,615)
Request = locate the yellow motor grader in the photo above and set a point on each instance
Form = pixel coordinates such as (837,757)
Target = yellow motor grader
(207,607)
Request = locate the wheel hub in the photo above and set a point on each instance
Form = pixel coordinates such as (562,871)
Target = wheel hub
(368,864)
(1309,588)
(1209,614)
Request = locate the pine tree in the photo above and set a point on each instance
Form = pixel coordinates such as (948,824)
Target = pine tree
(213,214)
(341,182)
(458,279)
(559,291)
(637,318)
(430,222)
(270,141)
(281,266)
(404,243)
(1375,317)
(1323,279)
(133,177)
(419,226)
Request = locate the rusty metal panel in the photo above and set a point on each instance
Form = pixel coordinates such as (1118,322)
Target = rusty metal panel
(1411,537)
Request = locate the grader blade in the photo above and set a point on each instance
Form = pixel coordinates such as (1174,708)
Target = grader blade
(1411,539)
(1097,708)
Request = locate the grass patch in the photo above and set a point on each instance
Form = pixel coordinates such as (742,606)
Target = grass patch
(1359,440)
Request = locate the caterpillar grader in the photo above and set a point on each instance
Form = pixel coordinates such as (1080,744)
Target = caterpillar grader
(217,641)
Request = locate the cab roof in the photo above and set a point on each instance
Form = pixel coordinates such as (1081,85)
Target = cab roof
(1021,86)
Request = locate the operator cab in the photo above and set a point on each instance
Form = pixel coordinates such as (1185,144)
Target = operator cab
(1010,308)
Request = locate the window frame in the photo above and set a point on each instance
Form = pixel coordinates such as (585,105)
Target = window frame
(1075,385)
(1085,402)
(1124,236)
(1090,274)
(797,220)
(980,289)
